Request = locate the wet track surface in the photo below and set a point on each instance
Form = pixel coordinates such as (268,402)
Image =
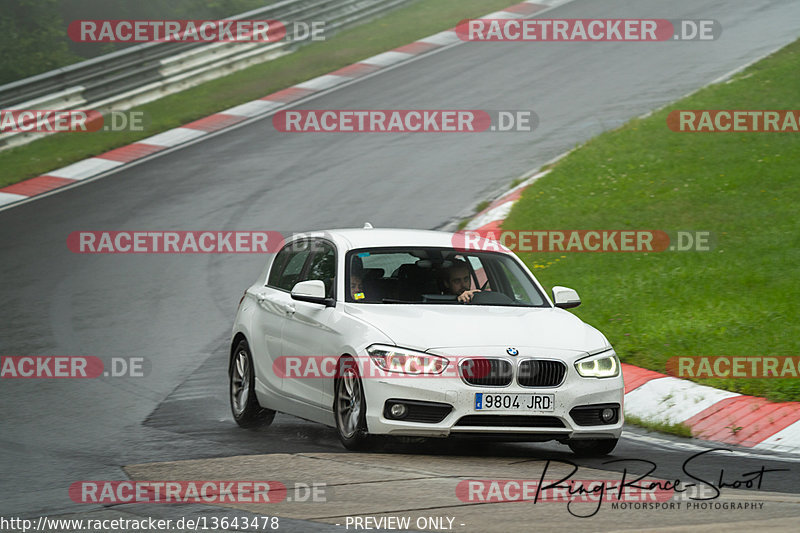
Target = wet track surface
(176,311)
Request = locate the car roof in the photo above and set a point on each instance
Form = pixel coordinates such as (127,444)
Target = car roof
(352,238)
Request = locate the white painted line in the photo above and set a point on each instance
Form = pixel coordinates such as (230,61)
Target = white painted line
(672,400)
(536,176)
(688,445)
(549,3)
(442,38)
(85,169)
(252,109)
(503,15)
(526,181)
(731,73)
(173,137)
(321,83)
(498,213)
(8,198)
(652,440)
(786,440)
(387,58)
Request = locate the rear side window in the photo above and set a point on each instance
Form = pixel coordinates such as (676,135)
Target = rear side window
(288,266)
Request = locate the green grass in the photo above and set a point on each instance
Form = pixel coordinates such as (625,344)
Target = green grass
(681,430)
(482,205)
(397,28)
(741,298)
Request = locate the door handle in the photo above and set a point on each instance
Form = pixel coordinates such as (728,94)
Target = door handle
(289,308)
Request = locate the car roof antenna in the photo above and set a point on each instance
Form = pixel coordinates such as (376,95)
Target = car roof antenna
(367,225)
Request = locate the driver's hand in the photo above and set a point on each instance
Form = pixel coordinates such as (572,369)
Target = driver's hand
(466,296)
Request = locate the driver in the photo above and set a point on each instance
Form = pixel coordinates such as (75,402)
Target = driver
(457,281)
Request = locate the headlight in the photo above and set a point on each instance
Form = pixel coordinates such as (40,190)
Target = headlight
(604,365)
(394,359)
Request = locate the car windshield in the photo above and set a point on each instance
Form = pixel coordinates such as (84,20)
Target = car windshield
(437,276)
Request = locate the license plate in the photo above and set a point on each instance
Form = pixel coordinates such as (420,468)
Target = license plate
(486,401)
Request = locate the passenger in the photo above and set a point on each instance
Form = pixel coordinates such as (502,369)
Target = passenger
(356,285)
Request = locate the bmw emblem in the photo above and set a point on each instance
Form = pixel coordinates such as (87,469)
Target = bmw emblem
(512,351)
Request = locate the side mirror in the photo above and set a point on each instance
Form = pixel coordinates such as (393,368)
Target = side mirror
(312,291)
(565,298)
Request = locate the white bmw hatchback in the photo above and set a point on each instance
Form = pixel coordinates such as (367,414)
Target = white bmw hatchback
(408,333)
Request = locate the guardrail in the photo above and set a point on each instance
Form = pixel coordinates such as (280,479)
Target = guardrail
(142,73)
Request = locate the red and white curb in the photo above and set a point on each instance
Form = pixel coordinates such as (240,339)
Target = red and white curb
(712,414)
(119,157)
(492,217)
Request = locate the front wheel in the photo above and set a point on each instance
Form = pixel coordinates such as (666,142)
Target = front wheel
(349,406)
(244,405)
(592,447)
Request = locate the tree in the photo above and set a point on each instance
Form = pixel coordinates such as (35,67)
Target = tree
(33,39)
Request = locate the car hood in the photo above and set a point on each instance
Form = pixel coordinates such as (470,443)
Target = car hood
(431,327)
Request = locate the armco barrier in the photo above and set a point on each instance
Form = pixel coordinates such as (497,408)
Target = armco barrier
(142,73)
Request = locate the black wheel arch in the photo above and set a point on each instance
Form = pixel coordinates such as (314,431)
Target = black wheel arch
(239,337)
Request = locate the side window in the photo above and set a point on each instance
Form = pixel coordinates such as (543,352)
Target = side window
(288,265)
(510,281)
(479,272)
(513,283)
(323,266)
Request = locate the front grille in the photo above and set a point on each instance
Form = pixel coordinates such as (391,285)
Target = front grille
(418,411)
(486,372)
(510,421)
(541,373)
(589,415)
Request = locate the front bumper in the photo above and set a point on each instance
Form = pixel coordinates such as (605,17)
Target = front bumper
(557,424)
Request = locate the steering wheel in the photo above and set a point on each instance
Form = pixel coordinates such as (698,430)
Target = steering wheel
(491,298)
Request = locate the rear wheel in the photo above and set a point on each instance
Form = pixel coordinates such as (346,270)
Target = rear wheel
(244,405)
(592,447)
(349,406)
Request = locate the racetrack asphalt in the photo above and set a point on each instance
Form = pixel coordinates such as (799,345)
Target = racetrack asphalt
(176,311)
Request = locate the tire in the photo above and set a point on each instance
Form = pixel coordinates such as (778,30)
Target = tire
(350,407)
(593,447)
(244,405)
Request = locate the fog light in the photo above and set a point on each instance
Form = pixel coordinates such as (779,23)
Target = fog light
(398,410)
(607,415)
